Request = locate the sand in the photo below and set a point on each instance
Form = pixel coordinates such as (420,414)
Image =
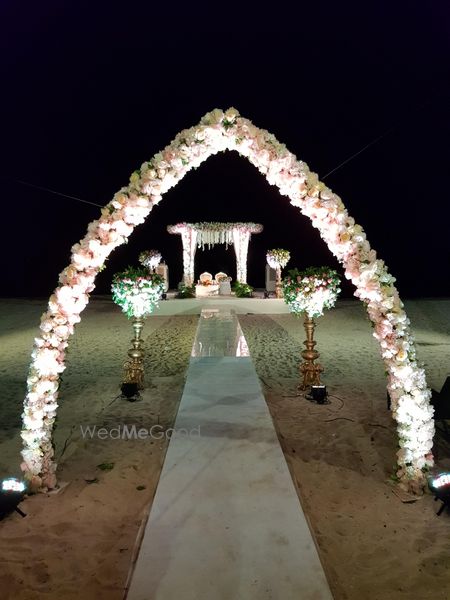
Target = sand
(79,543)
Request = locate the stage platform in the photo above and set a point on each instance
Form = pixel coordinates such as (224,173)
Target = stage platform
(241,306)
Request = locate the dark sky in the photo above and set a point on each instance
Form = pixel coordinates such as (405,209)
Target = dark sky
(90,91)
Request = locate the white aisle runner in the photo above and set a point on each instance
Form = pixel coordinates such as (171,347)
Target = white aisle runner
(226,522)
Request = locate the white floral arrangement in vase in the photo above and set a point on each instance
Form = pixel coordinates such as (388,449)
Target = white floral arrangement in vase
(312,291)
(137,291)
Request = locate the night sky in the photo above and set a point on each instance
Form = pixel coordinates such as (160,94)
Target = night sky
(89,92)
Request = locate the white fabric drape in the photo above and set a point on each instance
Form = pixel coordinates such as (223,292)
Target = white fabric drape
(241,239)
(211,237)
(189,241)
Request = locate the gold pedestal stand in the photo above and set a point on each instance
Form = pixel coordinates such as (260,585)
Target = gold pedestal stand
(134,366)
(310,371)
(278,290)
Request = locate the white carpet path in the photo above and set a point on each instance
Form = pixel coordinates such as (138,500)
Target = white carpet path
(226,522)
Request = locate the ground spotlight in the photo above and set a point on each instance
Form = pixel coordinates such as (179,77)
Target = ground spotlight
(164,296)
(266,294)
(318,393)
(12,493)
(440,487)
(130,391)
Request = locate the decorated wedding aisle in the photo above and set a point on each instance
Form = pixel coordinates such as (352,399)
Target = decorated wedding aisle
(226,521)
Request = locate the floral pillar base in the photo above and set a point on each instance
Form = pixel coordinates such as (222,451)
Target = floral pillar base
(309,369)
(134,366)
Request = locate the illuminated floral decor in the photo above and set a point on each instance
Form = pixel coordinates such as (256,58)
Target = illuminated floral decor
(278,258)
(150,259)
(312,291)
(199,235)
(216,132)
(137,291)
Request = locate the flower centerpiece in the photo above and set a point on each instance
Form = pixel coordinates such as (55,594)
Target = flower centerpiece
(150,259)
(277,259)
(137,292)
(309,293)
(312,291)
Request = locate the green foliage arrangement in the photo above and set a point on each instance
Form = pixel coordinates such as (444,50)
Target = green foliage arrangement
(243,290)
(185,291)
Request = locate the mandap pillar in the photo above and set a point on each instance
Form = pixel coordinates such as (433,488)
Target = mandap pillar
(241,239)
(189,241)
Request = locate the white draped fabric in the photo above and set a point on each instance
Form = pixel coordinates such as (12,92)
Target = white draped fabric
(210,237)
(241,239)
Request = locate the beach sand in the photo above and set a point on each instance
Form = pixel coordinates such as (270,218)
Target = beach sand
(79,542)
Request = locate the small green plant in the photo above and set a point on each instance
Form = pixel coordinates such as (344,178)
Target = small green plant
(106,466)
(186,291)
(243,290)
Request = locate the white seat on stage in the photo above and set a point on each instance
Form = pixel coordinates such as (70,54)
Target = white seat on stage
(224,283)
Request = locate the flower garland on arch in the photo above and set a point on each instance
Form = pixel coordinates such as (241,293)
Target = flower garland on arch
(216,132)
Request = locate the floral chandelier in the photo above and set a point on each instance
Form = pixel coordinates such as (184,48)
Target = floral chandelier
(216,132)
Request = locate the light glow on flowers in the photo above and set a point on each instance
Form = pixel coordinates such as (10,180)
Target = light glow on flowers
(278,258)
(311,291)
(150,259)
(219,131)
(137,292)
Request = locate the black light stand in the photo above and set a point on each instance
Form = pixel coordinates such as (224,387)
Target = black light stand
(318,394)
(10,499)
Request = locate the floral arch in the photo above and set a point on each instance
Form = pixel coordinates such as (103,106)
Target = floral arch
(216,132)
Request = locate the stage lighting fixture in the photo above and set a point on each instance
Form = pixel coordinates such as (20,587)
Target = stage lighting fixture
(130,391)
(11,494)
(318,394)
(440,487)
